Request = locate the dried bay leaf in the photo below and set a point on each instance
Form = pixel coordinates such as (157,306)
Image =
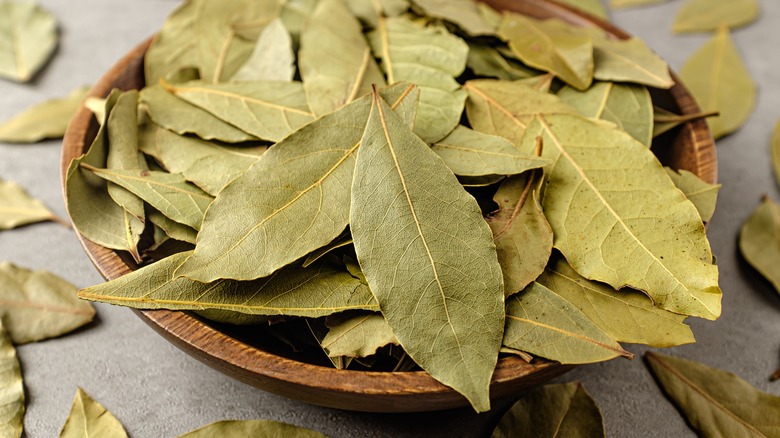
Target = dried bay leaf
(172,228)
(345,239)
(294,200)
(628,61)
(28,38)
(123,153)
(370,11)
(628,106)
(18,208)
(540,322)
(709,15)
(335,60)
(430,57)
(625,315)
(43,121)
(471,153)
(357,336)
(480,181)
(322,289)
(617,216)
(268,110)
(422,244)
(775,151)
(702,194)
(294,15)
(465,13)
(11,389)
(633,3)
(592,7)
(715,402)
(89,418)
(253,428)
(665,120)
(272,59)
(759,241)
(551,45)
(486,60)
(38,305)
(557,410)
(720,81)
(173,48)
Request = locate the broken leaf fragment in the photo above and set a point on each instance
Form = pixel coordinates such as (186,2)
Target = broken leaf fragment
(28,37)
(759,241)
(89,418)
(18,208)
(43,121)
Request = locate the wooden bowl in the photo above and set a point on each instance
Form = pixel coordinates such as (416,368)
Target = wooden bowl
(691,147)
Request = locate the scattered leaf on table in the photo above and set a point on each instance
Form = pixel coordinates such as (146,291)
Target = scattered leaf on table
(592,7)
(272,58)
(557,410)
(430,57)
(465,13)
(616,215)
(633,3)
(628,61)
(252,428)
(551,45)
(523,237)
(775,146)
(335,60)
(486,60)
(625,315)
(471,153)
(703,194)
(540,322)
(18,208)
(156,287)
(123,153)
(28,37)
(422,244)
(173,48)
(716,403)
(709,15)
(44,120)
(89,418)
(357,336)
(626,105)
(665,120)
(11,389)
(269,110)
(294,200)
(38,305)
(720,81)
(370,11)
(759,241)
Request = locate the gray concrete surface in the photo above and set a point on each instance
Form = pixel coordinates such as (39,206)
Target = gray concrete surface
(157,391)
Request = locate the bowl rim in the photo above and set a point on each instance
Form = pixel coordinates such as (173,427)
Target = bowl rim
(368,391)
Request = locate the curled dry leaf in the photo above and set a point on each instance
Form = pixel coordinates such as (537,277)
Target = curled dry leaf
(44,120)
(759,241)
(89,418)
(702,194)
(18,208)
(357,336)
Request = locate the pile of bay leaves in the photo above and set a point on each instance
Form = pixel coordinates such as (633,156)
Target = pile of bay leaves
(393,177)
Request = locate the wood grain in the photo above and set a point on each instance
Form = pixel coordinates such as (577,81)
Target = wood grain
(691,147)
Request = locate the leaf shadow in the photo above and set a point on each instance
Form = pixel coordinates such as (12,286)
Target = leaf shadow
(756,281)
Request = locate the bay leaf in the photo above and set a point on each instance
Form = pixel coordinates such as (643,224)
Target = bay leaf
(430,57)
(625,315)
(370,11)
(715,402)
(45,120)
(551,45)
(123,153)
(422,244)
(89,418)
(556,410)
(173,48)
(485,60)
(523,237)
(206,164)
(592,7)
(18,208)
(665,120)
(294,200)
(11,389)
(709,15)
(628,60)
(38,305)
(319,290)
(720,81)
(344,239)
(480,181)
(335,60)
(464,13)
(268,110)
(628,106)
(702,194)
(97,106)
(506,108)
(540,322)
(170,193)
(272,58)
(94,214)
(254,428)
(471,153)
(294,15)
(775,150)
(634,3)
(172,229)
(28,38)
(618,217)
(759,241)
(357,336)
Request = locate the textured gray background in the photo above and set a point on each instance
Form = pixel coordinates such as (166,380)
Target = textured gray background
(158,391)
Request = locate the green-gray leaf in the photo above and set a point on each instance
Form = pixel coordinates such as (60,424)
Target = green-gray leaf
(89,418)
(272,59)
(252,428)
(173,48)
(370,11)
(716,403)
(665,120)
(592,7)
(486,60)
(709,15)
(628,61)
(11,389)
(294,15)
(759,241)
(703,194)
(44,120)
(28,37)
(18,208)
(38,305)
(422,244)
(775,146)
(540,322)
(556,411)
(357,336)
(172,228)
(465,13)
(625,315)
(123,153)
